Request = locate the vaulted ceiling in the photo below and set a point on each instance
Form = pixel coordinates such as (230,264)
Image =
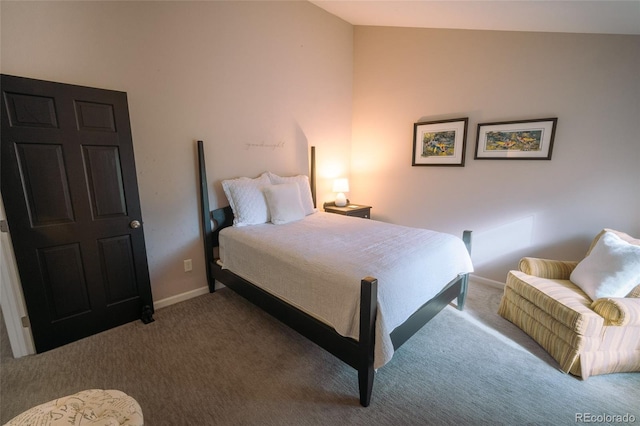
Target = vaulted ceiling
(573,16)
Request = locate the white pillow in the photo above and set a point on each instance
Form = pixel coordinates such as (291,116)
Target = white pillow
(612,269)
(303,185)
(247,199)
(284,203)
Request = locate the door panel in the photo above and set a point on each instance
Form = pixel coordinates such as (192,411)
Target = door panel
(44,181)
(117,265)
(70,192)
(63,279)
(31,111)
(104,176)
(94,116)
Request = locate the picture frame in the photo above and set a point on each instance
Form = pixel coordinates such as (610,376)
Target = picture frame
(516,140)
(440,143)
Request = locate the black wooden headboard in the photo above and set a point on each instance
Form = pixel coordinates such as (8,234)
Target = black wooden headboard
(213,221)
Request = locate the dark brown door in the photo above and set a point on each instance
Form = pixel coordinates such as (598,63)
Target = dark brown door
(71,198)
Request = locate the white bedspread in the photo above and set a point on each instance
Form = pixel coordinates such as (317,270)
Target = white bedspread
(317,263)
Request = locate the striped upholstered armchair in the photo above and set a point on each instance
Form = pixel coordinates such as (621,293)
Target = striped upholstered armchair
(587,334)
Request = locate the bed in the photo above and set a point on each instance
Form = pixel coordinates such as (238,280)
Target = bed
(359,291)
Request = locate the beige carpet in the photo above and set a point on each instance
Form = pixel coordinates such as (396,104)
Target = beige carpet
(217,360)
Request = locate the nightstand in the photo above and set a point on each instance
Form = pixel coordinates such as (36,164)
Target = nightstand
(356,210)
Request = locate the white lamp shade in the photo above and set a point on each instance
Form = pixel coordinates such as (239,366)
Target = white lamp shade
(341,185)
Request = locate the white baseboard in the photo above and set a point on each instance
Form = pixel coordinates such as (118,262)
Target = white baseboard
(487,281)
(180,297)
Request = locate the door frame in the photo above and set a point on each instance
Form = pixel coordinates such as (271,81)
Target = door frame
(11,298)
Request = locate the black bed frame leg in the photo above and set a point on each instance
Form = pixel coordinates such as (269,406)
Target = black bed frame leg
(464,285)
(365,383)
(368,312)
(462,297)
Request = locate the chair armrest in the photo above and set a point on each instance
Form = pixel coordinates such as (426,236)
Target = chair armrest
(547,268)
(621,311)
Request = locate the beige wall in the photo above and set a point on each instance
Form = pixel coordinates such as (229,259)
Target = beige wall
(230,73)
(289,74)
(516,208)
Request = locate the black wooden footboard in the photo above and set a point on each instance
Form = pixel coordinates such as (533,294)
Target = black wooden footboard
(359,354)
(455,289)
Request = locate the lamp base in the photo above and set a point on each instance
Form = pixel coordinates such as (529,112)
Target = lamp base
(341,200)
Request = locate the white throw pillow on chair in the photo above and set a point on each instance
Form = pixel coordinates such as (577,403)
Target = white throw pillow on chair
(612,268)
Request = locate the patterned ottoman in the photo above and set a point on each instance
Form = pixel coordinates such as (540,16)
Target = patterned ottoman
(95,407)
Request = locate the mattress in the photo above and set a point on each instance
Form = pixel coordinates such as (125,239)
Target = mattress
(317,263)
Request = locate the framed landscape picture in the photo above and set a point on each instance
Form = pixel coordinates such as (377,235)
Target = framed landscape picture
(516,140)
(440,143)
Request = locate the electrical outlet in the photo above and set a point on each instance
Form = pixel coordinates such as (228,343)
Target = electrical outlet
(188,266)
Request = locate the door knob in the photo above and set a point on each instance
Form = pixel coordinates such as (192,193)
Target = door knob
(134,224)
